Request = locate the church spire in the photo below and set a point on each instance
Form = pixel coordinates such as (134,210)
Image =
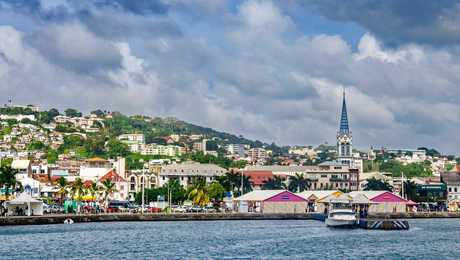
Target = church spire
(344,118)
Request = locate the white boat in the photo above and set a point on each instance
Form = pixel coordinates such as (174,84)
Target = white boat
(340,213)
(68,221)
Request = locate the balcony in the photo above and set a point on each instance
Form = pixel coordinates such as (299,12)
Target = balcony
(338,179)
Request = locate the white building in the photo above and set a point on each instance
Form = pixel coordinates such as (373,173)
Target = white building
(165,150)
(17,117)
(256,154)
(135,142)
(238,149)
(185,172)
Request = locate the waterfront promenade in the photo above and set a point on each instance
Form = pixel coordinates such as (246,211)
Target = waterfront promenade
(79,218)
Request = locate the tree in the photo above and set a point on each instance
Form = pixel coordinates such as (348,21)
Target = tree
(98,113)
(36,145)
(116,148)
(275,183)
(298,183)
(374,184)
(410,190)
(216,191)
(8,178)
(77,189)
(93,190)
(230,181)
(52,156)
(62,186)
(53,112)
(198,192)
(108,188)
(70,112)
(95,145)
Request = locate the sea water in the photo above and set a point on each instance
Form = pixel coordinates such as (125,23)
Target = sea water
(278,239)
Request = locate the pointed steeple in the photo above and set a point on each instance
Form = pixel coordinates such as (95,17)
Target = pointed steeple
(344,117)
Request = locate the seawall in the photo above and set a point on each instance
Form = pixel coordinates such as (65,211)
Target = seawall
(78,218)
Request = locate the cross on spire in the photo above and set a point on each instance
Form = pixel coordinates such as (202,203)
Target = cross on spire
(344,129)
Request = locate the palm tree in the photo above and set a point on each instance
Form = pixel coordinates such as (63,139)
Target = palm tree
(108,187)
(298,183)
(374,184)
(8,179)
(62,186)
(77,189)
(198,192)
(275,183)
(410,190)
(231,181)
(93,189)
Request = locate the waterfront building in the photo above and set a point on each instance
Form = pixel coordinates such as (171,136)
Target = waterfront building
(452,180)
(382,201)
(314,196)
(185,172)
(138,178)
(325,176)
(271,201)
(121,185)
(94,168)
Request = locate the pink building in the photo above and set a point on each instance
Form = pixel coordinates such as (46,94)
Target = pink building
(383,201)
(271,201)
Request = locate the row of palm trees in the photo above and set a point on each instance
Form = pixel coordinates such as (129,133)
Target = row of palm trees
(296,183)
(77,189)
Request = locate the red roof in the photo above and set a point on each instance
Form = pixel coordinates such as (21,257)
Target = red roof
(111,175)
(259,177)
(87,183)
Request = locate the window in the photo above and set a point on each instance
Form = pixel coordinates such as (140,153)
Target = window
(163,177)
(181,178)
(455,189)
(323,176)
(450,189)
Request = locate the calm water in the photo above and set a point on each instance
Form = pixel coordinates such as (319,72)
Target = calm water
(299,239)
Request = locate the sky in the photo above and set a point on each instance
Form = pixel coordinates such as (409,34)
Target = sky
(268,70)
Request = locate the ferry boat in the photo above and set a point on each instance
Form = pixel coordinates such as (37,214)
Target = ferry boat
(340,213)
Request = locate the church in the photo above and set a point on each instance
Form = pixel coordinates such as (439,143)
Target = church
(345,153)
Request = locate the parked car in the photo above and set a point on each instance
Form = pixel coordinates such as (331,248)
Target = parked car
(209,209)
(196,209)
(153,210)
(178,209)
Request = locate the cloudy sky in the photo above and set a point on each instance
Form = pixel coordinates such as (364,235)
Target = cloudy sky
(269,70)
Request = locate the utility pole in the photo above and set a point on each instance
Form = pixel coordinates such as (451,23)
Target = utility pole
(143,184)
(402,185)
(242,183)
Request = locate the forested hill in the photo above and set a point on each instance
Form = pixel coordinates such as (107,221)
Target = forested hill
(154,128)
